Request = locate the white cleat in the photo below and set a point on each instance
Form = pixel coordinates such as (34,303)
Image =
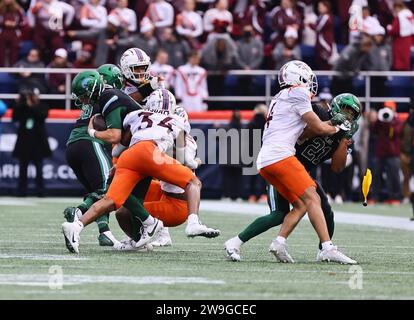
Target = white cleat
(71,232)
(149,232)
(129,245)
(232,251)
(334,255)
(200,230)
(279,250)
(163,239)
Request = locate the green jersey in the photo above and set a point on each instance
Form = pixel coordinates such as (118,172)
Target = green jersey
(80,131)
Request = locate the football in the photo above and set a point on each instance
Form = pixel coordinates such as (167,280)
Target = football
(99,123)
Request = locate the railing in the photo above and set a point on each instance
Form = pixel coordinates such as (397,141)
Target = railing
(269,76)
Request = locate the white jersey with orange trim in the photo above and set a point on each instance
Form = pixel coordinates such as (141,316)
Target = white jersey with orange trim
(284,125)
(191,87)
(157,125)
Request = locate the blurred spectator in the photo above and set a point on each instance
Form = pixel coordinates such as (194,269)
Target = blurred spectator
(28,80)
(387,128)
(31,144)
(325,47)
(405,156)
(123,17)
(368,24)
(401,31)
(310,18)
(219,54)
(349,63)
(250,52)
(218,19)
(282,17)
(232,170)
(56,81)
(189,24)
(161,68)
(11,20)
(84,58)
(191,84)
(49,18)
(145,40)
(161,14)
(380,60)
(248,12)
(93,16)
(287,50)
(177,48)
(256,185)
(250,49)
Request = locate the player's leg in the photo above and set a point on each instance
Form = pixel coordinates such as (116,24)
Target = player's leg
(289,174)
(279,207)
(327,211)
(91,163)
(165,168)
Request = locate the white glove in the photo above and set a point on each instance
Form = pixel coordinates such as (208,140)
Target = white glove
(346,126)
(187,155)
(156,83)
(118,149)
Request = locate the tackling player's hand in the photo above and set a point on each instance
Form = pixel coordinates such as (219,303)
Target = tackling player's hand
(354,128)
(338,119)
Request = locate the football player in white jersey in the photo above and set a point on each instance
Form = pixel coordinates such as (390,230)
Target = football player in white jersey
(164,200)
(290,111)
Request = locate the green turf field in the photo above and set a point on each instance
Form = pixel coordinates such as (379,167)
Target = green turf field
(31,243)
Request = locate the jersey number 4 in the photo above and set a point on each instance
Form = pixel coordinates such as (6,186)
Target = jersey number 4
(146,118)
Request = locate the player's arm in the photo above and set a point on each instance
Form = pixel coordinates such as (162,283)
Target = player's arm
(316,127)
(339,157)
(111,135)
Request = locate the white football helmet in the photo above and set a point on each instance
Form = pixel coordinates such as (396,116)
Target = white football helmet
(135,65)
(298,73)
(161,99)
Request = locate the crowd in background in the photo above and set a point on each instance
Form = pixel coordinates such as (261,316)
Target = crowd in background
(189,40)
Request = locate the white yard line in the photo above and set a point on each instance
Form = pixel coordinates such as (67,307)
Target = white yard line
(340,217)
(42,280)
(42,257)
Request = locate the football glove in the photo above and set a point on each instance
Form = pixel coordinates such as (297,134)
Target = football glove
(338,119)
(352,131)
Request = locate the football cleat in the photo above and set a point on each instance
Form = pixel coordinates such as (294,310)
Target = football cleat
(71,232)
(232,251)
(334,255)
(107,239)
(196,229)
(149,232)
(72,214)
(163,239)
(279,250)
(129,245)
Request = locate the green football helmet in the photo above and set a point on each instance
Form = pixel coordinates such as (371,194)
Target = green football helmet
(87,86)
(112,75)
(346,100)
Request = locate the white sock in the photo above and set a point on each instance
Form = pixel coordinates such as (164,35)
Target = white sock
(150,220)
(192,218)
(236,241)
(326,245)
(281,239)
